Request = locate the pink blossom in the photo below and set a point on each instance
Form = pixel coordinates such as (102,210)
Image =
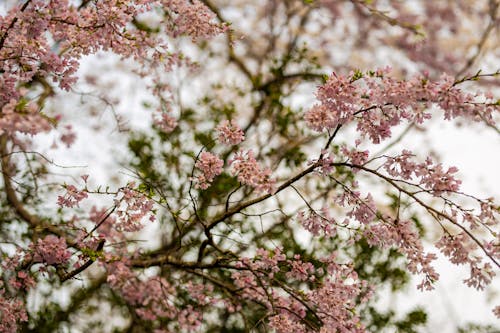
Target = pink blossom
(249,172)
(458,249)
(13,312)
(192,18)
(496,311)
(365,211)
(199,292)
(318,224)
(404,237)
(189,319)
(355,156)
(428,174)
(335,301)
(230,133)
(165,122)
(28,48)
(132,208)
(339,100)
(378,102)
(150,297)
(299,270)
(72,197)
(18,116)
(286,323)
(51,250)
(69,136)
(23,281)
(210,166)
(480,276)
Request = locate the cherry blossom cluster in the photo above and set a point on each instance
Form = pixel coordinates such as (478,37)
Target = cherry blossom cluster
(69,136)
(379,102)
(72,197)
(42,39)
(363,218)
(318,223)
(364,209)
(339,99)
(51,250)
(22,281)
(165,122)
(192,18)
(255,277)
(132,207)
(332,302)
(459,249)
(79,31)
(23,117)
(250,173)
(229,133)
(48,251)
(408,242)
(13,312)
(210,166)
(434,179)
(402,236)
(355,156)
(384,231)
(429,175)
(152,297)
(155,298)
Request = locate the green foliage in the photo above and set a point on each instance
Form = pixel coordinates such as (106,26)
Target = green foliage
(412,321)
(380,321)
(478,328)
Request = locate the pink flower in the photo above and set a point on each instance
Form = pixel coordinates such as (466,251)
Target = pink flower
(132,208)
(27,119)
(496,311)
(339,99)
(286,323)
(72,197)
(192,18)
(211,166)
(165,122)
(13,311)
(230,133)
(365,210)
(69,136)
(356,157)
(51,250)
(250,173)
(151,297)
(429,175)
(317,224)
(377,102)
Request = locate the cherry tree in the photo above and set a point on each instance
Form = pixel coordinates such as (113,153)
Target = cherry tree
(265,183)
